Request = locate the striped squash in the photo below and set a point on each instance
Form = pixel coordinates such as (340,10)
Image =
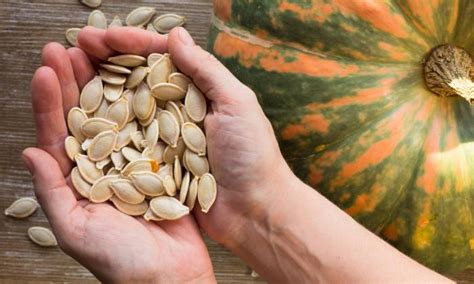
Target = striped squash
(343,83)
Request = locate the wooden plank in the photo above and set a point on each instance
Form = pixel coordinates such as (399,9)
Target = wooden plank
(25,26)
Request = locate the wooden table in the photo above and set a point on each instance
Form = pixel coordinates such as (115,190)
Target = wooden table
(25,26)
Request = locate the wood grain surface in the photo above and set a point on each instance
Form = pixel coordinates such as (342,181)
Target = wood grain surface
(25,26)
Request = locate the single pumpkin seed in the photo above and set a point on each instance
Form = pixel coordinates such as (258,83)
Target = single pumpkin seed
(91,95)
(183,191)
(102,145)
(116,68)
(131,154)
(148,183)
(197,165)
(97,19)
(169,185)
(92,3)
(174,109)
(207,192)
(159,71)
(79,183)
(194,138)
(128,60)
(75,118)
(177,172)
(169,128)
(166,22)
(71,35)
(111,77)
(22,207)
(72,147)
(124,136)
(165,170)
(180,80)
(168,208)
(152,134)
(150,216)
(112,92)
(125,191)
(136,77)
(153,58)
(118,112)
(167,92)
(195,104)
(143,102)
(140,165)
(86,144)
(140,16)
(100,190)
(103,163)
(93,126)
(118,159)
(116,22)
(137,138)
(169,152)
(184,163)
(130,209)
(42,236)
(150,118)
(151,28)
(87,169)
(100,112)
(128,94)
(192,193)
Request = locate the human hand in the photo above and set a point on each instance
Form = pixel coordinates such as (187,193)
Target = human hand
(115,247)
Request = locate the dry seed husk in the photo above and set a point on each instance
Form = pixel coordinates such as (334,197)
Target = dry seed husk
(91,95)
(128,60)
(22,207)
(166,170)
(118,160)
(112,92)
(151,28)
(79,183)
(174,109)
(103,163)
(180,80)
(136,77)
(111,77)
(168,208)
(93,126)
(194,138)
(169,153)
(116,68)
(183,191)
(116,22)
(197,165)
(166,22)
(128,94)
(129,209)
(192,193)
(87,169)
(150,118)
(177,172)
(167,92)
(141,165)
(92,3)
(100,190)
(71,35)
(150,184)
(150,216)
(100,112)
(153,58)
(169,185)
(75,118)
(72,147)
(97,19)
(124,136)
(102,145)
(125,191)
(137,138)
(118,112)
(169,128)
(42,236)
(152,133)
(131,154)
(143,102)
(155,153)
(85,145)
(207,192)
(140,16)
(195,104)
(159,71)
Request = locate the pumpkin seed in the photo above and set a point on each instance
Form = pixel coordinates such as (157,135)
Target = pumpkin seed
(131,154)
(22,208)
(148,183)
(103,163)
(102,145)
(87,169)
(118,112)
(168,208)
(170,152)
(167,92)
(152,133)
(166,22)
(116,22)
(169,185)
(141,165)
(75,118)
(97,19)
(195,104)
(159,71)
(112,92)
(177,172)
(116,68)
(91,95)
(118,160)
(194,138)
(169,128)
(197,165)
(128,94)
(151,28)
(92,3)
(137,138)
(150,118)
(79,183)
(111,77)
(180,80)
(124,136)
(85,145)
(129,209)
(127,60)
(183,191)
(166,170)
(192,193)
(150,216)
(173,108)
(184,114)
(100,190)
(93,126)
(143,102)
(125,191)
(153,58)
(71,35)
(42,236)
(155,153)
(72,147)
(100,112)
(140,16)
(136,77)
(207,192)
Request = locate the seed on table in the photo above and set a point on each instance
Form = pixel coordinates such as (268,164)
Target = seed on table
(169,152)
(102,145)
(42,236)
(97,19)
(153,58)
(118,112)
(124,189)
(71,35)
(167,92)
(131,154)
(116,22)
(118,159)
(92,3)
(124,136)
(100,190)
(79,183)
(207,191)
(136,77)
(169,128)
(195,104)
(141,165)
(112,92)
(180,80)
(116,68)
(166,22)
(91,95)
(196,164)
(140,16)
(111,77)
(129,209)
(148,183)
(194,138)
(159,71)
(168,208)
(72,147)
(183,192)
(22,207)
(192,193)
(169,185)
(87,169)
(93,126)
(127,60)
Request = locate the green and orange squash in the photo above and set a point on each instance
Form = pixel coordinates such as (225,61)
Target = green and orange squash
(346,86)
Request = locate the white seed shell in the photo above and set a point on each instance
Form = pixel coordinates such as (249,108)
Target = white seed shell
(22,207)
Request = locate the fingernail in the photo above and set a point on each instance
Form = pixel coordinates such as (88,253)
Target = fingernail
(185,37)
(28,164)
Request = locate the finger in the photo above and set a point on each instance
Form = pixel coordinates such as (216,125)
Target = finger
(55,197)
(209,75)
(49,117)
(81,65)
(54,55)
(92,41)
(135,41)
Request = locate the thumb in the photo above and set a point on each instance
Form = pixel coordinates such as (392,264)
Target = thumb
(209,75)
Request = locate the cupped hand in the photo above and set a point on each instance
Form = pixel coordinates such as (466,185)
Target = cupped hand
(114,246)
